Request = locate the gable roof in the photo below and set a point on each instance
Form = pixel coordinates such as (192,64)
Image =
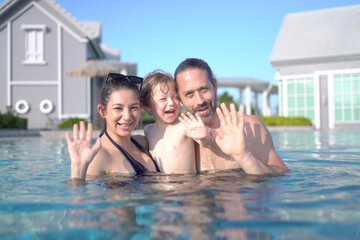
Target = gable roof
(318,35)
(87,30)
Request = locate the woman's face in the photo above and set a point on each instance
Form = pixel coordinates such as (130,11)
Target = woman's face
(122,113)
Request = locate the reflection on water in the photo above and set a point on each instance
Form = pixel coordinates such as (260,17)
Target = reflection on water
(196,206)
(319,140)
(319,199)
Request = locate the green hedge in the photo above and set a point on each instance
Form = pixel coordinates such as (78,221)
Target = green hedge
(268,121)
(147,118)
(285,121)
(10,120)
(68,123)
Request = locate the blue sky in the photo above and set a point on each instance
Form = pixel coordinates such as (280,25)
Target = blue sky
(235,37)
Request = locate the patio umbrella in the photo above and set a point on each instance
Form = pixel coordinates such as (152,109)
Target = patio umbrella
(93,68)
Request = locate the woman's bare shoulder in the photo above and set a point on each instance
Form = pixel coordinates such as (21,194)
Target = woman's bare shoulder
(98,165)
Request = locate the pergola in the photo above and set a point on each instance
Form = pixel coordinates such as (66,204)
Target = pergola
(251,85)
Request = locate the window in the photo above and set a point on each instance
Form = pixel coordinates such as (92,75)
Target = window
(34,44)
(347,97)
(299,97)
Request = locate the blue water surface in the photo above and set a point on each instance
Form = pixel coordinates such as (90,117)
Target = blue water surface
(319,199)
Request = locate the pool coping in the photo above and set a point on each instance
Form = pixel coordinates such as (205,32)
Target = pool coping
(16,133)
(60,133)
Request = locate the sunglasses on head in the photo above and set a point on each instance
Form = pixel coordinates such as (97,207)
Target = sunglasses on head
(120,77)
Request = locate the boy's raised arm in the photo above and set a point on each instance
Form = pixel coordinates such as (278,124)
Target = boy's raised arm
(196,129)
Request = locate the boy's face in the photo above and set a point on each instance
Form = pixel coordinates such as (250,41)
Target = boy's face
(165,103)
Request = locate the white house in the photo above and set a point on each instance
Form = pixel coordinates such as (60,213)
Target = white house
(317,57)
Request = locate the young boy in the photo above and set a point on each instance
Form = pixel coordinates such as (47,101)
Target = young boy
(171,142)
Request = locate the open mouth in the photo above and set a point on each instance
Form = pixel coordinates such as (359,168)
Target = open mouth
(203,110)
(170,113)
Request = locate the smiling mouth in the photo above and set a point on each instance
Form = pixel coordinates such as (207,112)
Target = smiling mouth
(125,125)
(170,112)
(202,110)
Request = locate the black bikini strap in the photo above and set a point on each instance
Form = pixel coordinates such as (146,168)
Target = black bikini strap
(138,167)
(147,153)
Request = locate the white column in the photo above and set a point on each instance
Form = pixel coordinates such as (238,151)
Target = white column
(256,103)
(248,99)
(284,98)
(89,97)
(241,105)
(266,104)
(317,100)
(331,98)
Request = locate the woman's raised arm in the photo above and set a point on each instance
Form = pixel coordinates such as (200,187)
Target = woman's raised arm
(80,150)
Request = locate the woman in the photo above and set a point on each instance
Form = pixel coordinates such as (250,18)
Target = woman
(115,151)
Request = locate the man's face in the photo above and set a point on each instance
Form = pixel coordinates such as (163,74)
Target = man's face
(197,93)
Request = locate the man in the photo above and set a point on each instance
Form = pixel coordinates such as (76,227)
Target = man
(242,141)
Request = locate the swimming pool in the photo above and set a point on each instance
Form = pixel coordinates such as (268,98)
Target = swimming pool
(319,199)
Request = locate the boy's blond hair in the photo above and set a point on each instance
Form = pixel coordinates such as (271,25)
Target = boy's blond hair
(151,81)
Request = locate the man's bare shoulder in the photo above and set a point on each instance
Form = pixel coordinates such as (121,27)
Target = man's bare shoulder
(253,123)
(252,119)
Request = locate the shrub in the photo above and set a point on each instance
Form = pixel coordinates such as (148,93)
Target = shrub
(285,121)
(68,123)
(10,120)
(147,118)
(227,99)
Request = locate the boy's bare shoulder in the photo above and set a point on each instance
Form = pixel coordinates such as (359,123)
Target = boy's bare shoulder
(179,126)
(148,128)
(176,130)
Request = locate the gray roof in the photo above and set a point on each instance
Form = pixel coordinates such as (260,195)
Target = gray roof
(110,53)
(255,84)
(91,30)
(87,30)
(318,35)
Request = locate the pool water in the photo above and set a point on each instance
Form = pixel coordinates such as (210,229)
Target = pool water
(319,199)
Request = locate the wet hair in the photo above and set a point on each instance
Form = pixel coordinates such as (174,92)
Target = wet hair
(113,84)
(151,81)
(195,63)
